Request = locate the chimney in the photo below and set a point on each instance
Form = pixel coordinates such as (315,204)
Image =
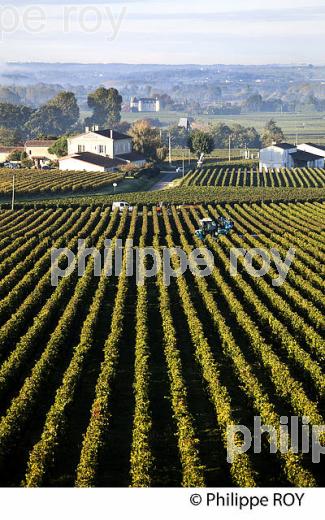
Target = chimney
(96,128)
(87,129)
(111,134)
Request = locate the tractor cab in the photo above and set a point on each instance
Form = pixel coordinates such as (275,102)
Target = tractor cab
(208,226)
(225,226)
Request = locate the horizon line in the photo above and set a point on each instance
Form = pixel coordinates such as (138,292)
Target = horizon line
(271,64)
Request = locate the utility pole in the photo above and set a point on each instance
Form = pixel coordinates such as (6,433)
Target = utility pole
(189,156)
(13,193)
(229,149)
(183,166)
(170,147)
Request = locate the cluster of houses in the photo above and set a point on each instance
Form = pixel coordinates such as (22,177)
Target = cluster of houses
(36,150)
(95,150)
(285,155)
(98,150)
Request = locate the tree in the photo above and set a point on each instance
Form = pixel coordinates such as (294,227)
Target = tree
(8,96)
(67,104)
(241,137)
(8,137)
(14,116)
(56,117)
(122,126)
(60,147)
(254,103)
(200,142)
(179,136)
(161,153)
(220,134)
(106,105)
(16,155)
(272,133)
(146,140)
(45,121)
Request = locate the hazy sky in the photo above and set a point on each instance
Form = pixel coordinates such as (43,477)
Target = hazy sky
(164,31)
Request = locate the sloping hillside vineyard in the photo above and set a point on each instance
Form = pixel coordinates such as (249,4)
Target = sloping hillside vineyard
(31,182)
(105,382)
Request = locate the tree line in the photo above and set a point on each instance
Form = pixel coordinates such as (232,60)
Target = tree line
(58,116)
(210,137)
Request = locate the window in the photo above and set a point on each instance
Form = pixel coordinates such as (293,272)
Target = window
(102,148)
(81,148)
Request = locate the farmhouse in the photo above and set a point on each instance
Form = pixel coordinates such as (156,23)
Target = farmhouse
(100,150)
(38,151)
(285,155)
(5,152)
(89,162)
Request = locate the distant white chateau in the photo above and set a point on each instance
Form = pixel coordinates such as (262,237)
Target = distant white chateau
(144,104)
(100,150)
(285,155)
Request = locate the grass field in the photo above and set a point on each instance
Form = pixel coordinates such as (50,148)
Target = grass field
(104,382)
(307,126)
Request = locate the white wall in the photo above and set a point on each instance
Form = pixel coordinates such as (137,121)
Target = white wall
(274,157)
(149,106)
(39,151)
(4,156)
(75,164)
(90,142)
(122,146)
(99,145)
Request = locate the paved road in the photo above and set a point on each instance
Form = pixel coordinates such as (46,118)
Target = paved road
(165,178)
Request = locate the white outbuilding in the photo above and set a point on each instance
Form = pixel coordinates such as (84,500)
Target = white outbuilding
(285,155)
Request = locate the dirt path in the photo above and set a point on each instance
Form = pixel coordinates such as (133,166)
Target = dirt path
(165,178)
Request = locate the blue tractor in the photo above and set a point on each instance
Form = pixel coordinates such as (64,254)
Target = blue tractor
(223,226)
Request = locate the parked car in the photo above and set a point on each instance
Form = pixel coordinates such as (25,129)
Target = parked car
(121,206)
(12,165)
